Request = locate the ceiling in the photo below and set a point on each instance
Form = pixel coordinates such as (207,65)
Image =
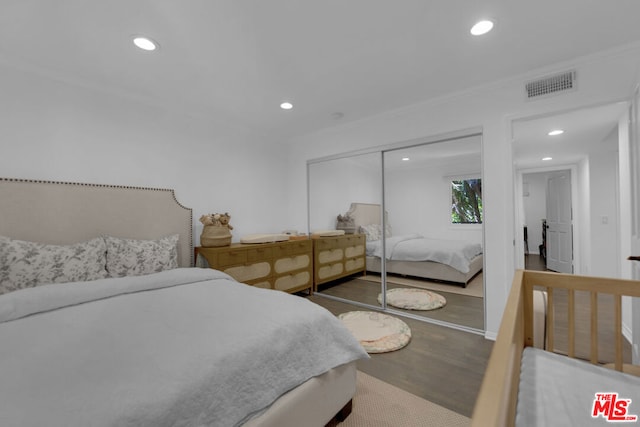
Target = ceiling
(335,60)
(585,131)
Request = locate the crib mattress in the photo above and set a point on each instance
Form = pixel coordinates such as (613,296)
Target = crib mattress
(559,391)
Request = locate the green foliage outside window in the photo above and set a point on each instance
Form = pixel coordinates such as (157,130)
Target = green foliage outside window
(466,201)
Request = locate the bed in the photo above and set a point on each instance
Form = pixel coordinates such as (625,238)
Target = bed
(538,381)
(414,255)
(149,342)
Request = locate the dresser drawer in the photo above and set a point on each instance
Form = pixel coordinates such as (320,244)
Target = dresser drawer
(354,251)
(354,264)
(259,254)
(327,243)
(297,262)
(231,258)
(292,247)
(352,241)
(331,255)
(292,281)
(330,270)
(264,284)
(290,263)
(245,273)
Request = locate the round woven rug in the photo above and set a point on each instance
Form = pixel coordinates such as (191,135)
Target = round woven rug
(377,332)
(413,299)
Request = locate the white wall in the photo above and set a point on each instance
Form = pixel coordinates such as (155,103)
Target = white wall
(418,200)
(336,183)
(603,176)
(602,78)
(52,130)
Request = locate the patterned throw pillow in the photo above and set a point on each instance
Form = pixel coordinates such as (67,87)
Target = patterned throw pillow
(28,264)
(372,232)
(130,257)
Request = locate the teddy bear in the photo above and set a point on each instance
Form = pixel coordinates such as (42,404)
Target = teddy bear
(216,219)
(224,219)
(207,220)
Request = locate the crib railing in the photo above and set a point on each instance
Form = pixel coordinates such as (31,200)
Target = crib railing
(596,289)
(496,402)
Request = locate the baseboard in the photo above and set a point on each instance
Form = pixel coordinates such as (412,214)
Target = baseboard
(489,335)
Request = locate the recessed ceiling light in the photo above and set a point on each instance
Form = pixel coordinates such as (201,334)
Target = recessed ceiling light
(556,132)
(286,106)
(405,159)
(546,159)
(482,27)
(145,43)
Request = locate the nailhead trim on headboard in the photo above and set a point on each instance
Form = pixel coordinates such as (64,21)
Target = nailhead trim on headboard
(126,187)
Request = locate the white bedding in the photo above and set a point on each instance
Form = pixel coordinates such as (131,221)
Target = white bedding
(559,391)
(184,347)
(414,247)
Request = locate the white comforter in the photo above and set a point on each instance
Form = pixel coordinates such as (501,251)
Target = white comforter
(414,247)
(186,347)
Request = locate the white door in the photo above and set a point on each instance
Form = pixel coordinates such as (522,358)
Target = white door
(559,226)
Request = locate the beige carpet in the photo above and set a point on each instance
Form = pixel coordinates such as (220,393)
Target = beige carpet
(474,288)
(379,404)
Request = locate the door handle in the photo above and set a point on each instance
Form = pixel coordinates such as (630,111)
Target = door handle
(634,258)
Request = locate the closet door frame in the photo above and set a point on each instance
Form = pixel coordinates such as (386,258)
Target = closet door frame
(381,150)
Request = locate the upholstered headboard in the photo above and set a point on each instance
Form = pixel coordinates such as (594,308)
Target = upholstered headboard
(364,214)
(64,213)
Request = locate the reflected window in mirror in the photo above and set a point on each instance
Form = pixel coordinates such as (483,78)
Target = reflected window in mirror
(466,201)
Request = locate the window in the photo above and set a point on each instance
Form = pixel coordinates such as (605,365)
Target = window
(466,201)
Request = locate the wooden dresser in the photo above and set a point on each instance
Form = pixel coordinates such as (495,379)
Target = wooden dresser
(285,266)
(338,256)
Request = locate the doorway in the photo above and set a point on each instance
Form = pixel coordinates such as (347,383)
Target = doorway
(547,218)
(588,147)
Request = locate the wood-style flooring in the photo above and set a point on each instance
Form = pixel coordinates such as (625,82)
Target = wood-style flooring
(460,309)
(446,366)
(440,364)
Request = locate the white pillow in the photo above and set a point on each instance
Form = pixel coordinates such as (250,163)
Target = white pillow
(28,264)
(131,257)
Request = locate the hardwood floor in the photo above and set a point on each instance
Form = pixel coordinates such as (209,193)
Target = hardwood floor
(534,262)
(442,365)
(446,366)
(460,309)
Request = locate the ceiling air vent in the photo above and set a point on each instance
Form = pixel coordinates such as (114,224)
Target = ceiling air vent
(551,85)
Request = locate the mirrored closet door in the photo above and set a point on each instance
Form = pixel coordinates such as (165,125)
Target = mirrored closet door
(412,217)
(434,232)
(335,185)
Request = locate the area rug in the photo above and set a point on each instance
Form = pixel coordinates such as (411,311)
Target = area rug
(377,403)
(377,332)
(413,299)
(474,287)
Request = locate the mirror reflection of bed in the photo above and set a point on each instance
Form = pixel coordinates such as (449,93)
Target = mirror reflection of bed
(417,200)
(463,290)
